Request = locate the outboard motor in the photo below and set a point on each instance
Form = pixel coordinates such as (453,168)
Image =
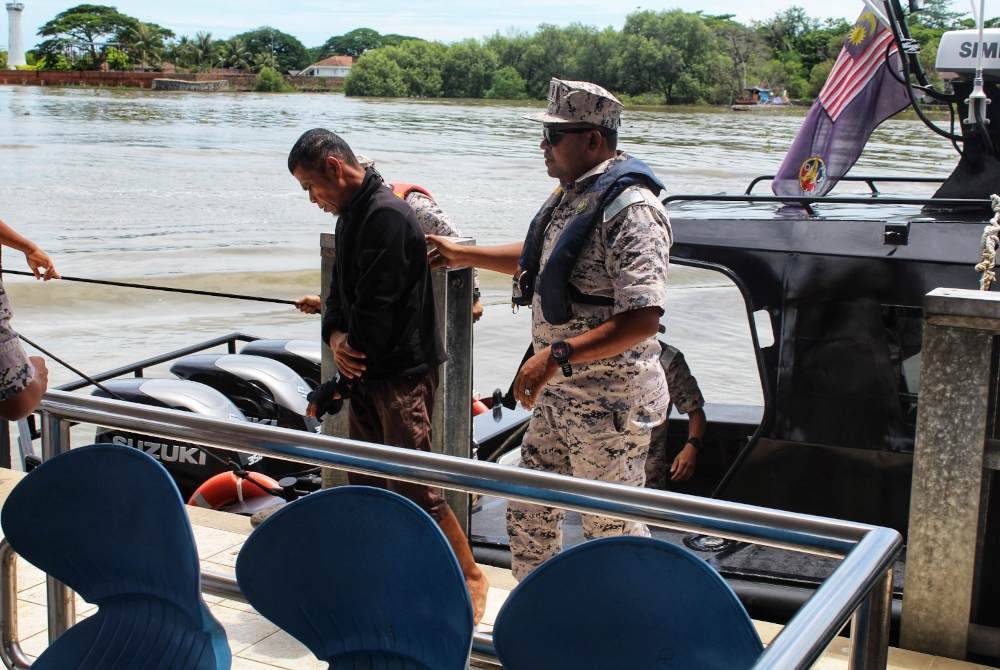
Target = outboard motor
(265,390)
(958,59)
(188,464)
(303,356)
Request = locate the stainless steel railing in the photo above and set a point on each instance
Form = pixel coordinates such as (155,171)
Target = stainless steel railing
(858,590)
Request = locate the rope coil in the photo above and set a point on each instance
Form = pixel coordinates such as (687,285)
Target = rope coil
(989,244)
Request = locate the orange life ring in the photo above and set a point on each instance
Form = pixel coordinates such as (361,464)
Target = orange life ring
(226,489)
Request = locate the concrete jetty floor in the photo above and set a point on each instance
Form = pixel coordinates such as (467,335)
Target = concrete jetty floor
(257,644)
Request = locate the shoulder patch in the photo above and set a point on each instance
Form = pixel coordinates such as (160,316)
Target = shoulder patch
(629,197)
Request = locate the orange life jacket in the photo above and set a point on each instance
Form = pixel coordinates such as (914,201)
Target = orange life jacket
(402,190)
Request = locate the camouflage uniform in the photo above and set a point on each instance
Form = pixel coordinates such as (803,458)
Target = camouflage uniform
(686,397)
(433,221)
(596,423)
(16,371)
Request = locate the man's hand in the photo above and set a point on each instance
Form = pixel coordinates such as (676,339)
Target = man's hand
(682,468)
(41,264)
(533,376)
(324,399)
(477,311)
(41,371)
(350,361)
(308,304)
(445,253)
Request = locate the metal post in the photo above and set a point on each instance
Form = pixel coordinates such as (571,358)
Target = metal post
(335,425)
(948,460)
(870,628)
(452,420)
(4,443)
(61,605)
(10,647)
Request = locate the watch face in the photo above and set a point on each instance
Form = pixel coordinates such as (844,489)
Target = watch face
(560,351)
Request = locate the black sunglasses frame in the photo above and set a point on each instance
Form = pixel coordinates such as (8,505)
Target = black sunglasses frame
(553,135)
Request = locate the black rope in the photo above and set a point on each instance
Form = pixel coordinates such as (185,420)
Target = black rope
(72,369)
(168,289)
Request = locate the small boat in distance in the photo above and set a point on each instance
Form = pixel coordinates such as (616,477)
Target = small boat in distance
(757,98)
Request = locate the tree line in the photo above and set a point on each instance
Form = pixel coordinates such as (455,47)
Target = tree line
(657,57)
(671,57)
(89,37)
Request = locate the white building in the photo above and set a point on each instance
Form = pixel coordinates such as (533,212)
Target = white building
(334,66)
(15,46)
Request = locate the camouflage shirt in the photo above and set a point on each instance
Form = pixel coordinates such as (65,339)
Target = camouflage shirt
(16,371)
(684,392)
(625,259)
(433,221)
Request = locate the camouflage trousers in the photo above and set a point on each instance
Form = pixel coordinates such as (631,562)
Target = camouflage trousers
(604,446)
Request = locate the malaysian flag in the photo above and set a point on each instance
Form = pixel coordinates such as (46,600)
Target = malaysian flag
(860,93)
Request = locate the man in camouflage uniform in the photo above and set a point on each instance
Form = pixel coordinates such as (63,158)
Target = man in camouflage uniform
(594,382)
(686,397)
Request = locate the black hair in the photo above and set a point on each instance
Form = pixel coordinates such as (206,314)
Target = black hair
(314,146)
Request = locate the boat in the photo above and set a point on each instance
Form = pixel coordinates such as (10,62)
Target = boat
(756,98)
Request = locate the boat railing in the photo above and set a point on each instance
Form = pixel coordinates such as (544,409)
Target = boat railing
(807,201)
(866,179)
(858,592)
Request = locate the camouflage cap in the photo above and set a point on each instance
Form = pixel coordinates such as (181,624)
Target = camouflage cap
(580,102)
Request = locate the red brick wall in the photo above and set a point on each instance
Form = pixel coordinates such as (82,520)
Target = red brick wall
(243,82)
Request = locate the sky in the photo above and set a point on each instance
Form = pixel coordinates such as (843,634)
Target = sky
(314,21)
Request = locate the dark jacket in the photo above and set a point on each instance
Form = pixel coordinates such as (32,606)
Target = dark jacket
(381,293)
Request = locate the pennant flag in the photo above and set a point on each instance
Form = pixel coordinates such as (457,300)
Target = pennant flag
(860,93)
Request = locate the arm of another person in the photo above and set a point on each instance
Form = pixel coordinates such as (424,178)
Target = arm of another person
(637,257)
(499,258)
(684,463)
(434,221)
(685,394)
(38,260)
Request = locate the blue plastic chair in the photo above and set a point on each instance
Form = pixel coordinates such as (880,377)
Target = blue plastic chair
(625,602)
(362,577)
(109,522)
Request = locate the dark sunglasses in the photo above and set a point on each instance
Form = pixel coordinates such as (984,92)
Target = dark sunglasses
(554,135)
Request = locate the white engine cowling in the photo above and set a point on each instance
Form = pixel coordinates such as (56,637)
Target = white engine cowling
(958,53)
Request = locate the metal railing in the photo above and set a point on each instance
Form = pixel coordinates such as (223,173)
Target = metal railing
(869,180)
(859,590)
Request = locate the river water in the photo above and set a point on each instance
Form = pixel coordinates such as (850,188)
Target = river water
(192,190)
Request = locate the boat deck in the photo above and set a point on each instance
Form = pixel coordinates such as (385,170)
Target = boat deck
(257,644)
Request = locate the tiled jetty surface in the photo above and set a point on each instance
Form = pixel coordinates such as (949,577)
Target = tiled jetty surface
(257,644)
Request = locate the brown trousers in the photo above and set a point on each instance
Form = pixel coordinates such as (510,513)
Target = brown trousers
(397,412)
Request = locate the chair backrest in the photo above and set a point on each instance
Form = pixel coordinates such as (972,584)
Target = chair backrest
(361,576)
(625,602)
(109,522)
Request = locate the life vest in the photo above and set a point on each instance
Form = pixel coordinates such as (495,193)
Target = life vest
(402,190)
(556,291)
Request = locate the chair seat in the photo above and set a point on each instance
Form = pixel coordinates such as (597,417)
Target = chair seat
(133,634)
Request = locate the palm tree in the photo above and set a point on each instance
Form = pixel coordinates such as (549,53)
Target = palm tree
(264,59)
(203,49)
(145,45)
(235,54)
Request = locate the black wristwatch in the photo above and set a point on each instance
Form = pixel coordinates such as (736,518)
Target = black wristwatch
(695,442)
(560,352)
